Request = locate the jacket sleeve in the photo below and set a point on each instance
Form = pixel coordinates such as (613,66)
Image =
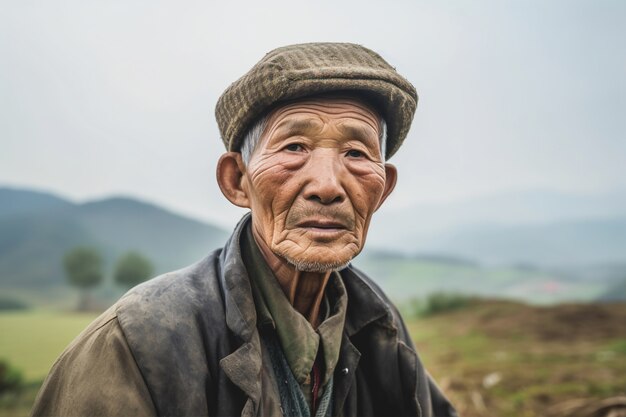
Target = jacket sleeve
(95,376)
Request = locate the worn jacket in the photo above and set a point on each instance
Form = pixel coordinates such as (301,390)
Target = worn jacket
(187,344)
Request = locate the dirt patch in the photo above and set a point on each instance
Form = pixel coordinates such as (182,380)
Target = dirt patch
(565,322)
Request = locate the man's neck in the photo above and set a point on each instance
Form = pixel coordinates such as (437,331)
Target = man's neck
(304,290)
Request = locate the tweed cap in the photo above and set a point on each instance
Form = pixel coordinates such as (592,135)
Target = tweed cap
(309,69)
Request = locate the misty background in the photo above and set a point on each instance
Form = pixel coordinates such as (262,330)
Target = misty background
(511,186)
(511,181)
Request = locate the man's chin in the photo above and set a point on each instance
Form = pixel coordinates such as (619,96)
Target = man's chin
(316,264)
(308,266)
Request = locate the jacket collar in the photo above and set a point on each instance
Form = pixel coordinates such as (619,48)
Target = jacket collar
(365,303)
(243,366)
(239,304)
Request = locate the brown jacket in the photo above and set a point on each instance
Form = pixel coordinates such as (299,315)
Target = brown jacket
(186,344)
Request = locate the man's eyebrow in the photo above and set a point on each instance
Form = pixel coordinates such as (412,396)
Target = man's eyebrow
(357,131)
(301,126)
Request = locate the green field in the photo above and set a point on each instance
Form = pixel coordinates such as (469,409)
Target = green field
(405,278)
(32,340)
(492,358)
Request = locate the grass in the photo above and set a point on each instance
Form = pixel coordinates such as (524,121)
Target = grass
(32,340)
(530,354)
(18,404)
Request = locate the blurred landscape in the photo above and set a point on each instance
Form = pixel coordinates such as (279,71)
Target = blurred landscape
(513,316)
(573,249)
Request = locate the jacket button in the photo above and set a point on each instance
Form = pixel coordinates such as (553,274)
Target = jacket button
(345,371)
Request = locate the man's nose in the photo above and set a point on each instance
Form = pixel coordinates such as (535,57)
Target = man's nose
(324,184)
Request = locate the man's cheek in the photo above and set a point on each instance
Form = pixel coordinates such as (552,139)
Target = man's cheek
(366,200)
(268,184)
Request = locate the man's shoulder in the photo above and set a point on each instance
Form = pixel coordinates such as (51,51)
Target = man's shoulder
(177,321)
(170,299)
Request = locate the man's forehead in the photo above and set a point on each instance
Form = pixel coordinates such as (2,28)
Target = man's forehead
(313,126)
(310,113)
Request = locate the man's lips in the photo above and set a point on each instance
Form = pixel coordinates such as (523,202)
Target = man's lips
(322,224)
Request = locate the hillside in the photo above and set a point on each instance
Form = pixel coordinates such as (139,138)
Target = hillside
(498,358)
(21,202)
(36,229)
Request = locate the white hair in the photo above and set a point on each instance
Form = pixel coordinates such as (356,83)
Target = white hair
(252,137)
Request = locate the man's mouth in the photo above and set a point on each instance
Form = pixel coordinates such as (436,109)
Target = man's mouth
(322,225)
(326,227)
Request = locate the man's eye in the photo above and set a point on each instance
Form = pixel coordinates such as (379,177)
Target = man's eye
(294,147)
(353,153)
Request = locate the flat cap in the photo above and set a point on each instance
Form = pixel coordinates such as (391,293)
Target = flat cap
(309,69)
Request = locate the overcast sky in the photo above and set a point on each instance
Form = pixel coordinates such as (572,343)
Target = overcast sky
(101,98)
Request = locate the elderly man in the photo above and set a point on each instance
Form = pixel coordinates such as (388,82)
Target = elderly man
(277,322)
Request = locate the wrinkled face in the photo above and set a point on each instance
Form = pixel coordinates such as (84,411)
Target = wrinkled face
(314,181)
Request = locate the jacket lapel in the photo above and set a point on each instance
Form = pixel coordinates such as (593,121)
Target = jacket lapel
(243,366)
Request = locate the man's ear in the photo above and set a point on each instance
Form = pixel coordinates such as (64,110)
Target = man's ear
(230,170)
(391,177)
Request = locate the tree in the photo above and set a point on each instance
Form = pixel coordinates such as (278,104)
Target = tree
(10,378)
(133,268)
(83,267)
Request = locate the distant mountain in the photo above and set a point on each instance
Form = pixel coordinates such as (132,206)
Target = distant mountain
(172,241)
(535,227)
(37,229)
(616,292)
(507,208)
(557,243)
(20,202)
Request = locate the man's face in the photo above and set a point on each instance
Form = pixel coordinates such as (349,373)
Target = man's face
(315,179)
